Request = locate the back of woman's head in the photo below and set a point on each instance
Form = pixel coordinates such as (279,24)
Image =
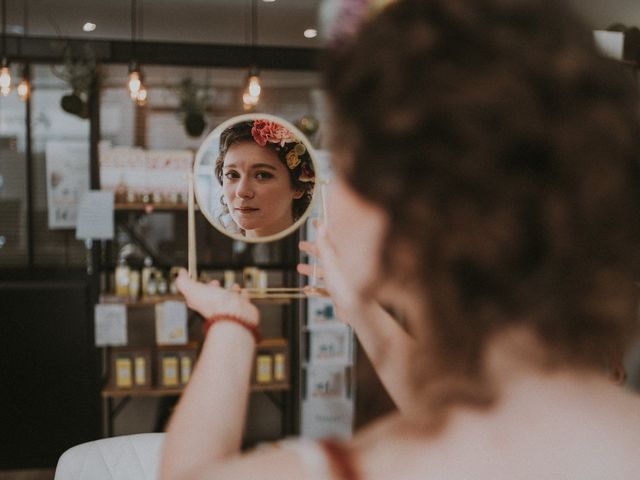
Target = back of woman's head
(504,150)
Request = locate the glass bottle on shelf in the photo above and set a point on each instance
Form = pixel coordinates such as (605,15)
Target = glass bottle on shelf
(161,281)
(152,286)
(147,273)
(122,278)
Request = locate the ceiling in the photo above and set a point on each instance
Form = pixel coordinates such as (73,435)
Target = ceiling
(279,23)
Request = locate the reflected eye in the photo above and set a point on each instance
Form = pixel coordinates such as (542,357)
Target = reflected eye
(264,175)
(231,175)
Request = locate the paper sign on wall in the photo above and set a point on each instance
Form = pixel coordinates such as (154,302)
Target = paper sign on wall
(110,325)
(95,216)
(67,179)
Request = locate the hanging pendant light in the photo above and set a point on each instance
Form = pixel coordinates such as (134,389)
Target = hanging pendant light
(24,87)
(137,90)
(134,84)
(5,78)
(141,98)
(5,71)
(252,88)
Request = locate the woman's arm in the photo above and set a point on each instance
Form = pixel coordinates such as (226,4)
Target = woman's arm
(206,428)
(389,347)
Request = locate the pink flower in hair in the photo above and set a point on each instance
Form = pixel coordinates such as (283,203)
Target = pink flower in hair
(265,131)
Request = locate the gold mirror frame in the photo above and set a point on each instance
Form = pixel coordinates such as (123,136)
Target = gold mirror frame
(212,143)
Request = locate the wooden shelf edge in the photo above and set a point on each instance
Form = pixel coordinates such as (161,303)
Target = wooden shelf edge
(149,207)
(167,392)
(143,302)
(150,301)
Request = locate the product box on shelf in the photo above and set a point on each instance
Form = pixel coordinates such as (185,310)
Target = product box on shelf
(174,365)
(130,368)
(272,363)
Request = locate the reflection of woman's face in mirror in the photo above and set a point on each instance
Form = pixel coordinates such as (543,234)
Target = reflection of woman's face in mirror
(257,189)
(267,178)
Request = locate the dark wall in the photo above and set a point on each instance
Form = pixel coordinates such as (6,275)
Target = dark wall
(49,398)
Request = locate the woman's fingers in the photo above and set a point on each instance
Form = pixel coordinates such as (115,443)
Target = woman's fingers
(310,270)
(324,245)
(308,247)
(182,280)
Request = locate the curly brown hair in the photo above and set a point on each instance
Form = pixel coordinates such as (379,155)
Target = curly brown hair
(241,132)
(504,150)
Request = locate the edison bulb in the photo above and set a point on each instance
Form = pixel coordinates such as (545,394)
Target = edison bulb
(24,89)
(135,83)
(141,97)
(254,86)
(5,80)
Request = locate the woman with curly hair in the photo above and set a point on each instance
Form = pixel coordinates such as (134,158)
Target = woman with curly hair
(488,189)
(267,178)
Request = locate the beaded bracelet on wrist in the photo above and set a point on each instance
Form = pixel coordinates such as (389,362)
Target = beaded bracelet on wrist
(227,317)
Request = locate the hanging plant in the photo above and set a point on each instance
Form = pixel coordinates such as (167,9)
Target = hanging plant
(193,100)
(308,124)
(79,71)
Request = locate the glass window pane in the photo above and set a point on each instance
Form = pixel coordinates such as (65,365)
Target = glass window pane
(54,130)
(13,185)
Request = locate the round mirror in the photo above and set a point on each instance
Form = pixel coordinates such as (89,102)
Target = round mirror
(254,177)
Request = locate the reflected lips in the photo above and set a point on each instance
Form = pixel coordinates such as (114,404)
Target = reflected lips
(245,210)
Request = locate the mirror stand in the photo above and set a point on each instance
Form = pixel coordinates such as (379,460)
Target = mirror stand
(192,263)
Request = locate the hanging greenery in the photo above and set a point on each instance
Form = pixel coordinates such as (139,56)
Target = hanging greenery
(193,102)
(79,71)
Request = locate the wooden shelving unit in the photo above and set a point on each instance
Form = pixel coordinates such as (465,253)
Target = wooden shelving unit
(283,393)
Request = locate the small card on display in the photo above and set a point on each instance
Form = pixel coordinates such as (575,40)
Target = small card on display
(110,325)
(328,382)
(171,323)
(330,347)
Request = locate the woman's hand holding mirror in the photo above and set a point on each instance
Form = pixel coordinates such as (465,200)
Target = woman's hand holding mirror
(209,298)
(326,267)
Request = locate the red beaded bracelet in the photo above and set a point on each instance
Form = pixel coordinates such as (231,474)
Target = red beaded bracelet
(227,317)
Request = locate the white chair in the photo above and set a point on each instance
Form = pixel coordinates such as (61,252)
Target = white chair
(128,457)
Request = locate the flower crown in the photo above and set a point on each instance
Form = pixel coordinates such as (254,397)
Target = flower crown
(343,18)
(266,132)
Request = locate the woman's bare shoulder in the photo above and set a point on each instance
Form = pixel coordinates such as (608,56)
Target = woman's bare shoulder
(549,434)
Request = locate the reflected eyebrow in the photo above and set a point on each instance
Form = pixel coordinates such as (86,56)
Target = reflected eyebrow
(254,166)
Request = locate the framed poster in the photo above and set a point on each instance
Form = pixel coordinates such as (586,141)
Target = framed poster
(67,170)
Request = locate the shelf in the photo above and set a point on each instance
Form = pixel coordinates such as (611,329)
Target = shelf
(142,302)
(151,301)
(272,343)
(150,207)
(171,392)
